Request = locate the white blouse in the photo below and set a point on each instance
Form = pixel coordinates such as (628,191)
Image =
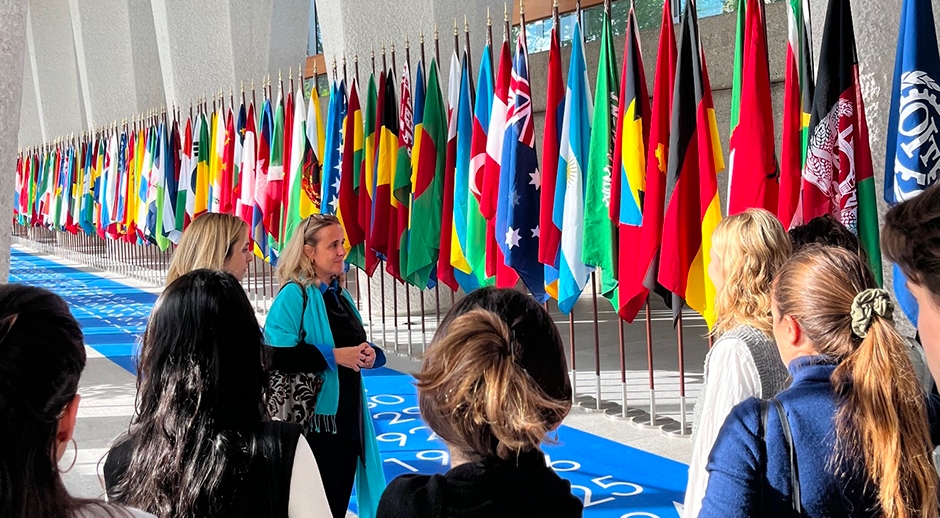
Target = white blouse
(731,378)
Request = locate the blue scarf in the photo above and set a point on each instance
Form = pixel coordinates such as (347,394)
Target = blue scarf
(280,325)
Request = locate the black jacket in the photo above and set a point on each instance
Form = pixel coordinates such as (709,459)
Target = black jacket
(490,489)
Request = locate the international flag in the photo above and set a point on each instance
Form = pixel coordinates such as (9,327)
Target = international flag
(316,142)
(259,232)
(171,185)
(568,209)
(333,150)
(159,181)
(239,140)
(838,176)
(367,173)
(401,183)
(425,228)
(186,196)
(94,183)
(476,223)
(913,121)
(694,161)
(496,265)
(463,113)
(387,157)
(549,233)
(600,245)
(348,210)
(517,213)
(630,166)
(299,205)
(753,172)
(202,144)
(216,159)
(420,94)
(445,272)
(273,202)
(797,104)
(246,200)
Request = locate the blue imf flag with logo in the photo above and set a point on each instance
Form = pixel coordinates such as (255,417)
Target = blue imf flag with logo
(912,161)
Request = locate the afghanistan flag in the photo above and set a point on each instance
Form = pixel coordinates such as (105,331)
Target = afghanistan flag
(694,160)
(838,176)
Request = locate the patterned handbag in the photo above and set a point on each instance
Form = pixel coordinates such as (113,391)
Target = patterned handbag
(293,378)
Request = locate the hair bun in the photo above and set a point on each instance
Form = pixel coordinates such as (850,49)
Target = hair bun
(866,305)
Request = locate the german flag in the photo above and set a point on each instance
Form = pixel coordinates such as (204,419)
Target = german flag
(694,161)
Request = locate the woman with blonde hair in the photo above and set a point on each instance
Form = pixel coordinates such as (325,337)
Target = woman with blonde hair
(214,241)
(316,336)
(850,436)
(747,250)
(494,383)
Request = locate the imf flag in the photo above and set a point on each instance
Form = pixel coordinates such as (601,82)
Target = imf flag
(912,161)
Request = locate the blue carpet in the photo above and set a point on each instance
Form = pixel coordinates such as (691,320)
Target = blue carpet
(613,480)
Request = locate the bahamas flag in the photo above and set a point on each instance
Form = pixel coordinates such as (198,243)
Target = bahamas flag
(913,120)
(629,165)
(568,212)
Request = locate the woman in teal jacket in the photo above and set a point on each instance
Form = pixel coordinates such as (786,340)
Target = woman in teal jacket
(313,326)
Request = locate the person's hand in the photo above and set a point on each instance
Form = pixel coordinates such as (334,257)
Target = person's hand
(352,357)
(369,354)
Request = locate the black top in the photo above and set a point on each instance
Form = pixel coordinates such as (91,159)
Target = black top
(488,489)
(263,490)
(347,332)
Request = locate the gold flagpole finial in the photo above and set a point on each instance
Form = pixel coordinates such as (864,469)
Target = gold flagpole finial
(521,8)
(456,32)
(505,12)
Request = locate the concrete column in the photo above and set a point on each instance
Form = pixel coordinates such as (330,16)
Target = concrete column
(102,39)
(194,40)
(52,62)
(12,50)
(148,71)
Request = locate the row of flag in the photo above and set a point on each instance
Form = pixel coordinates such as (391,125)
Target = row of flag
(451,190)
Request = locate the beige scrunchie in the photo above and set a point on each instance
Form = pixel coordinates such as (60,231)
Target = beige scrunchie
(866,305)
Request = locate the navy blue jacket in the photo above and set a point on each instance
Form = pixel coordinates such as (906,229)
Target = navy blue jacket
(743,483)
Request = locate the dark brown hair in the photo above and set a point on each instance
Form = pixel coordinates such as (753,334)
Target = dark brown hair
(911,239)
(881,421)
(494,380)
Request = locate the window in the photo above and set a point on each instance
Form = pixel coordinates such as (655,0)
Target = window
(314,39)
(648,15)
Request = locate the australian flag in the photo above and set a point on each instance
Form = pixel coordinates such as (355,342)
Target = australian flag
(520,182)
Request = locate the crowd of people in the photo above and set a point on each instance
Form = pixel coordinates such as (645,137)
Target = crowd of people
(811,404)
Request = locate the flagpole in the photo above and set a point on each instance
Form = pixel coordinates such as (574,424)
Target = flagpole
(574,370)
(421,41)
(597,342)
(394,63)
(466,32)
(408,57)
(507,29)
(356,66)
(525,41)
(344,68)
(437,46)
(489,35)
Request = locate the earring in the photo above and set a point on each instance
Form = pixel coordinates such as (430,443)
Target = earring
(74,459)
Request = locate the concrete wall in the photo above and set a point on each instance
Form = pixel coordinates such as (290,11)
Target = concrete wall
(12,51)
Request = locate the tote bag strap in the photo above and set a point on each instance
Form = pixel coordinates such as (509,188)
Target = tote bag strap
(791,449)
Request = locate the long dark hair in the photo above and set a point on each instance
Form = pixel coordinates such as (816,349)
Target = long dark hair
(201,389)
(42,355)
